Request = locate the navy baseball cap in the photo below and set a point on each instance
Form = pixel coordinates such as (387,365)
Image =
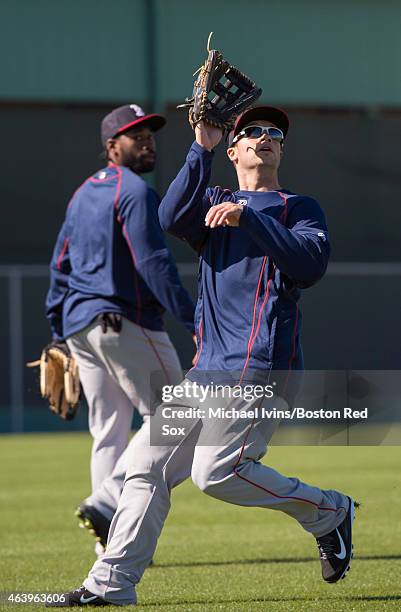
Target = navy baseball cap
(125,117)
(269,113)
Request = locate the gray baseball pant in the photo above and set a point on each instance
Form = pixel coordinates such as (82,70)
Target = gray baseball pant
(230,471)
(115,370)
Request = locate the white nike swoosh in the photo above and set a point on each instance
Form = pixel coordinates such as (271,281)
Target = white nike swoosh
(86,600)
(343,552)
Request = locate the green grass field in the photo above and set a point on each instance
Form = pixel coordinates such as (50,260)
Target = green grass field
(211,556)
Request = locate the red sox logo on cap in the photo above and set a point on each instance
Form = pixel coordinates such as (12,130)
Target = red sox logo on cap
(126,117)
(138,110)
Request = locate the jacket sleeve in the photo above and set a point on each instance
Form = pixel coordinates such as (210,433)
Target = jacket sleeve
(183,209)
(301,249)
(152,259)
(60,269)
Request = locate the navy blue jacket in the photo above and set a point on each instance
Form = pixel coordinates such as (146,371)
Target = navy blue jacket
(111,256)
(247,316)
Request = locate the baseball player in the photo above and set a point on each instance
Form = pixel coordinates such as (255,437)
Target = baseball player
(111,279)
(259,245)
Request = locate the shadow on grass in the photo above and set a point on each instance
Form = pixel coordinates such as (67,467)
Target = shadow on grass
(217,602)
(271,560)
(374,598)
(249,600)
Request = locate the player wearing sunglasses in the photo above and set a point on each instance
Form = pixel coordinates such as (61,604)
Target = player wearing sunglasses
(259,246)
(256,131)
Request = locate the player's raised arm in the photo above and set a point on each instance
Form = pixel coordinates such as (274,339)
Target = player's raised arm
(183,209)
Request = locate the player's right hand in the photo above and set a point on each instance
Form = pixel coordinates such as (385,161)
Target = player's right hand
(207,136)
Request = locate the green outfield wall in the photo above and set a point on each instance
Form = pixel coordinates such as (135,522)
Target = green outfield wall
(309,52)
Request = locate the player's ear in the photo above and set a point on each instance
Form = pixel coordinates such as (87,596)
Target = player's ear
(111,144)
(232,154)
(112,148)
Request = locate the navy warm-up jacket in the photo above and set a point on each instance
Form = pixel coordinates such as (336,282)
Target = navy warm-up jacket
(247,316)
(111,256)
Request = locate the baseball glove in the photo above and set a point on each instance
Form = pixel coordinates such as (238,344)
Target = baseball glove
(221,93)
(59,380)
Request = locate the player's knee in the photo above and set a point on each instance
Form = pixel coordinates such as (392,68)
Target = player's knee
(205,476)
(199,480)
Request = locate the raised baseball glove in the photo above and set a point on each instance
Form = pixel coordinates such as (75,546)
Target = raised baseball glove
(221,93)
(59,379)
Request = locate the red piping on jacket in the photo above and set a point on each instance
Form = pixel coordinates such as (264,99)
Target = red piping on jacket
(62,253)
(262,268)
(118,188)
(131,250)
(130,246)
(199,349)
(253,336)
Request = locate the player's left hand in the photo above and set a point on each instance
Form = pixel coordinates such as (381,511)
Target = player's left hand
(226,213)
(207,136)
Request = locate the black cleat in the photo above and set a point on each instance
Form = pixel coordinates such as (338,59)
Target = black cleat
(93,520)
(79,597)
(336,549)
(97,524)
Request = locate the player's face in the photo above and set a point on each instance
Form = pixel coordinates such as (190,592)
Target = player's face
(250,153)
(135,149)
